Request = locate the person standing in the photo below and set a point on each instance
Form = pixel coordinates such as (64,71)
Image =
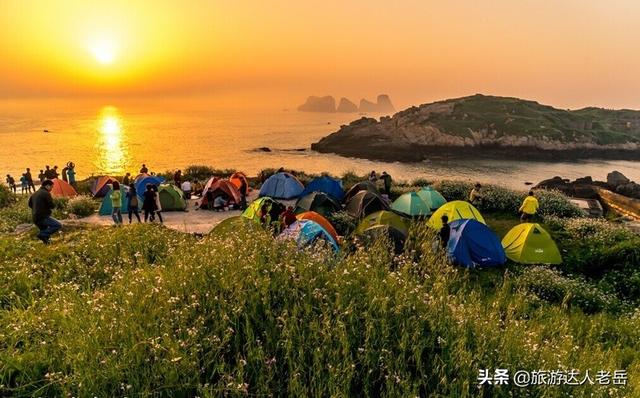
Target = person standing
(373,178)
(11,182)
(24,185)
(126,180)
(158,211)
(41,204)
(30,180)
(71,173)
(386,178)
(116,203)
(64,172)
(132,202)
(149,203)
(445,232)
(186,189)
(42,176)
(177,178)
(243,193)
(475,196)
(529,207)
(47,173)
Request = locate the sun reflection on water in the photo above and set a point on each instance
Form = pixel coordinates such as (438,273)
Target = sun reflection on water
(112,151)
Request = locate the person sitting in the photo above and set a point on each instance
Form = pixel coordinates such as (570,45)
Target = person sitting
(220,202)
(186,189)
(529,207)
(41,204)
(144,169)
(475,196)
(288,217)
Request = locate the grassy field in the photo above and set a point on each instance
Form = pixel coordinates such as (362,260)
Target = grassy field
(146,311)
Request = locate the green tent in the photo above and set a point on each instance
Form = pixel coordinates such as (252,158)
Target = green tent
(383,217)
(529,243)
(106,207)
(171,198)
(412,205)
(431,197)
(234,224)
(252,212)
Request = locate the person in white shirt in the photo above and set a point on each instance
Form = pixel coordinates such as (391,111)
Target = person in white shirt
(186,188)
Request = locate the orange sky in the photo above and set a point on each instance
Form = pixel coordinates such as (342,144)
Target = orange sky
(565,53)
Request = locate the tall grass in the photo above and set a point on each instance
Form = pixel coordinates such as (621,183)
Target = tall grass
(142,311)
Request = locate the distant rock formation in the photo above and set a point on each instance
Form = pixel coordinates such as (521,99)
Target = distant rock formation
(346,106)
(319,104)
(384,104)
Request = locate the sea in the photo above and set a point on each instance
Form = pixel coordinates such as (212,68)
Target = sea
(113,137)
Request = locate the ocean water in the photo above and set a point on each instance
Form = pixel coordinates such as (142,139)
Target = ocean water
(112,138)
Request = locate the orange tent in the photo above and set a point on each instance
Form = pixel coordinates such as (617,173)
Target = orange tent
(324,223)
(62,189)
(237,178)
(100,188)
(219,187)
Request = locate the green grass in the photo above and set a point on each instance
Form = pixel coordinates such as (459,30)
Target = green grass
(145,311)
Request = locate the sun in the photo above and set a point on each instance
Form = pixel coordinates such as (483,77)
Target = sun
(104,51)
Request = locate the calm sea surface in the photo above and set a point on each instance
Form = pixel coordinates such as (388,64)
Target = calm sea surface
(114,138)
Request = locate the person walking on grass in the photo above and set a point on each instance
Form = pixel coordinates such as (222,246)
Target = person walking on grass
(529,207)
(445,232)
(24,185)
(30,180)
(11,182)
(149,203)
(41,204)
(132,202)
(116,203)
(158,211)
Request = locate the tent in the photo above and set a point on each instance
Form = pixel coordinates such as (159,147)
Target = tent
(252,212)
(62,189)
(233,224)
(219,187)
(394,236)
(327,185)
(455,210)
(237,178)
(319,202)
(364,203)
(529,243)
(282,186)
(142,181)
(106,206)
(313,216)
(361,186)
(171,198)
(472,244)
(307,233)
(411,205)
(432,197)
(383,218)
(101,186)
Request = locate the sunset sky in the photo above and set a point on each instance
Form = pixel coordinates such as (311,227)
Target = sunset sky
(564,53)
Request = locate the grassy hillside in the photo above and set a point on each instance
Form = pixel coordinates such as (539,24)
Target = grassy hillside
(513,116)
(146,311)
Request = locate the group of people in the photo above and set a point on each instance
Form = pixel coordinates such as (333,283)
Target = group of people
(384,177)
(26,179)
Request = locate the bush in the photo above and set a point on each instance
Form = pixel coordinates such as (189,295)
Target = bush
(343,223)
(81,206)
(453,190)
(199,172)
(6,196)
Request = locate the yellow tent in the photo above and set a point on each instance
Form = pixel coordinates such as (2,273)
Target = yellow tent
(455,210)
(529,243)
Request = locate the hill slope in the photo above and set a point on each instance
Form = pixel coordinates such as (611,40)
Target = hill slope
(489,126)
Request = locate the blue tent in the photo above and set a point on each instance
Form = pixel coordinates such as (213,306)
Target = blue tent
(141,183)
(282,186)
(327,185)
(472,244)
(106,207)
(307,232)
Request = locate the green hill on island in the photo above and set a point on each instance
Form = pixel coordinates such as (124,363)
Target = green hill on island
(501,126)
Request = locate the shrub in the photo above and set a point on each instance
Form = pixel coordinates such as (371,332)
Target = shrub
(199,172)
(343,222)
(454,190)
(81,206)
(6,196)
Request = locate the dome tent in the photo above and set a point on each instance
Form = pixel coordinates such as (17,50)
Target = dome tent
(307,232)
(252,212)
(106,206)
(455,210)
(529,243)
(472,244)
(282,186)
(432,197)
(313,216)
(234,224)
(364,203)
(393,235)
(219,187)
(62,189)
(142,181)
(171,198)
(411,205)
(319,202)
(327,185)
(237,178)
(383,217)
(361,186)
(100,186)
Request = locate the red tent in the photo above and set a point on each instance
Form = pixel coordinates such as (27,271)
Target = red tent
(219,187)
(62,189)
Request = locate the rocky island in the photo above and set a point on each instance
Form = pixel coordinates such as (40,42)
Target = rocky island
(327,104)
(491,127)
